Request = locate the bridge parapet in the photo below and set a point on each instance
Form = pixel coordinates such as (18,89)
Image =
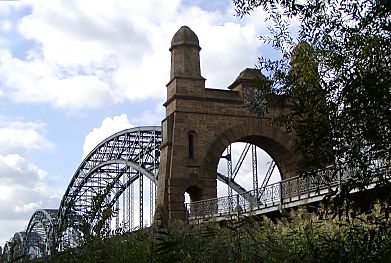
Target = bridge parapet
(287,193)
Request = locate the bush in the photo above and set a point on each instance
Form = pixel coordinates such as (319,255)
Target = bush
(299,237)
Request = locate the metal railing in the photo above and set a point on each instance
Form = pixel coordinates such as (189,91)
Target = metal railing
(289,190)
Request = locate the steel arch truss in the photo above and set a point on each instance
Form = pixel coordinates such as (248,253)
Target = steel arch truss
(7,251)
(14,250)
(110,179)
(104,176)
(40,233)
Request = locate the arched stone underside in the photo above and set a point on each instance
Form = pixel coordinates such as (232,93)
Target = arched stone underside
(260,132)
(200,123)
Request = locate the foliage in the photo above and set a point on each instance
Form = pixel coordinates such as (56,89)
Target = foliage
(299,237)
(339,84)
(88,229)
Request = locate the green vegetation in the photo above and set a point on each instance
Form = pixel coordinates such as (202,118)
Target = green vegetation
(338,79)
(299,237)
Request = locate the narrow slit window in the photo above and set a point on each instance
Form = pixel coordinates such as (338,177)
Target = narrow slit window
(191,146)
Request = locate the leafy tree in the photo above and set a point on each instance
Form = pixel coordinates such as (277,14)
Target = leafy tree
(338,80)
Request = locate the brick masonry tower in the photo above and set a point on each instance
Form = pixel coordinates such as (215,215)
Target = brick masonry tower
(200,123)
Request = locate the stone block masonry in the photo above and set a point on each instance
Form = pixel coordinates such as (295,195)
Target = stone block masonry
(200,123)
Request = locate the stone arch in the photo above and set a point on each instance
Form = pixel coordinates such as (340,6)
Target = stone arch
(194,191)
(260,132)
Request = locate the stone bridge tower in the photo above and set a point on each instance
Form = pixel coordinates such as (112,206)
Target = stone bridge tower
(200,123)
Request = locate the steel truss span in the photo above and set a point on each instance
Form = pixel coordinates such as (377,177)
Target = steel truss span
(104,185)
(37,240)
(40,233)
(15,248)
(115,184)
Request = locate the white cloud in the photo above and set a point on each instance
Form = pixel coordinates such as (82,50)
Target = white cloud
(24,186)
(109,126)
(17,170)
(94,53)
(20,137)
(5,25)
(7,6)
(27,207)
(150,117)
(231,48)
(36,80)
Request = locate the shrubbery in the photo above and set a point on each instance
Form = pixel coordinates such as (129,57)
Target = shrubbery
(299,237)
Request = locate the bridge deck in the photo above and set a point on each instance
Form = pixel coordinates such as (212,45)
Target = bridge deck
(281,195)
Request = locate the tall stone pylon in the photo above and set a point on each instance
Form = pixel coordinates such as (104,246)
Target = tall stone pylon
(176,162)
(200,123)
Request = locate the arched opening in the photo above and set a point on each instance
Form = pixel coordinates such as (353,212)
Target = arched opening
(194,193)
(248,167)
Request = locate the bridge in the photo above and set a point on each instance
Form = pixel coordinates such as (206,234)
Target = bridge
(109,178)
(106,181)
(135,174)
(120,175)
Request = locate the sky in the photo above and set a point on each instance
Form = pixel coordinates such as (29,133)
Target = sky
(72,72)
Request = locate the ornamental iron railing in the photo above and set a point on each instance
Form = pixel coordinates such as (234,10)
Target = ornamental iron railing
(314,184)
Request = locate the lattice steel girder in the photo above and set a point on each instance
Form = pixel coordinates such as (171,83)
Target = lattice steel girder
(41,230)
(105,168)
(240,160)
(17,246)
(254,166)
(231,183)
(114,186)
(108,170)
(229,168)
(112,167)
(6,257)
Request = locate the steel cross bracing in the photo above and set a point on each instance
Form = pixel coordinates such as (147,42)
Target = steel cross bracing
(40,232)
(254,166)
(15,248)
(268,174)
(106,179)
(37,240)
(105,174)
(229,168)
(229,179)
(241,159)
